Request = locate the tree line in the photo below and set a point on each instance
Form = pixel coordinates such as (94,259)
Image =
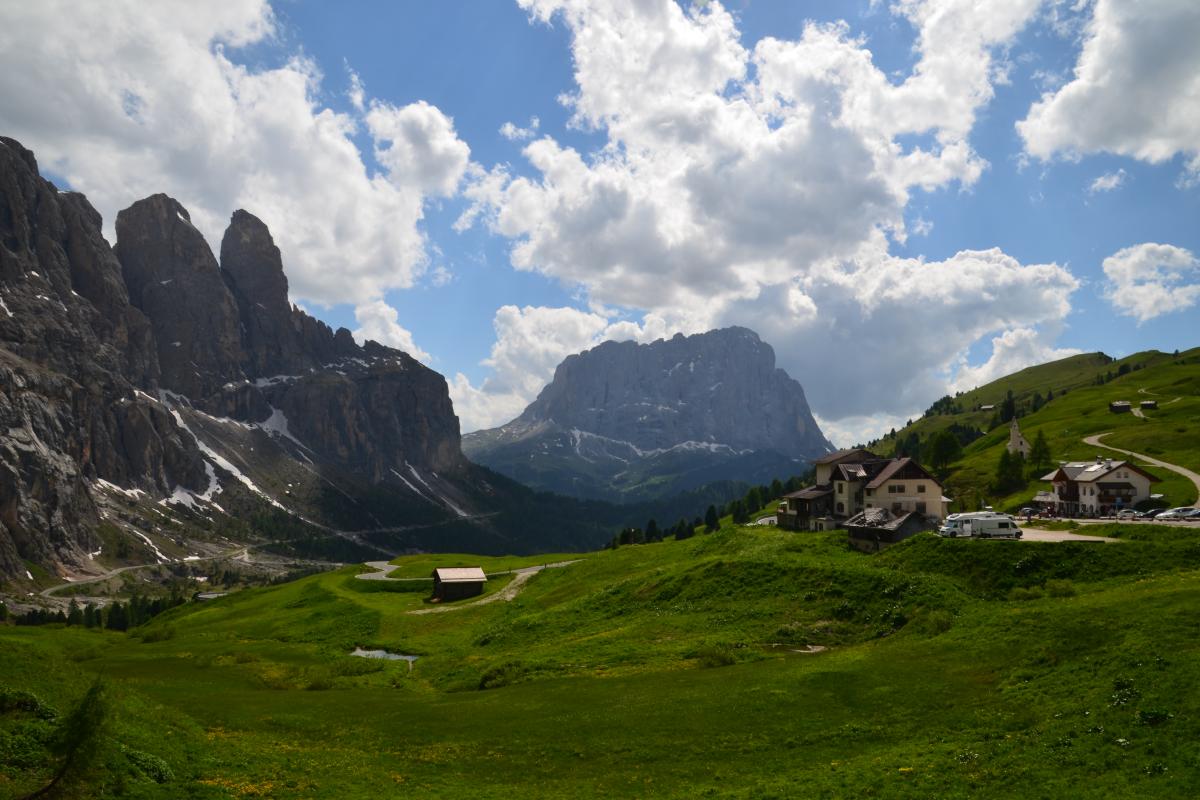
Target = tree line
(739,509)
(114,616)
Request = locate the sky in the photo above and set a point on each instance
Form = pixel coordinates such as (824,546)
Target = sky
(903,198)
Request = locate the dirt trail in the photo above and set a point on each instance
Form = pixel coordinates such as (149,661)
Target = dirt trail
(1184,471)
(521,577)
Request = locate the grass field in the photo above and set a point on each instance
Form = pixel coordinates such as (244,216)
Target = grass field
(953,669)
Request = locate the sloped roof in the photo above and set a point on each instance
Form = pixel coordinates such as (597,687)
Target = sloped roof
(811,493)
(880,518)
(1091,471)
(459,575)
(842,455)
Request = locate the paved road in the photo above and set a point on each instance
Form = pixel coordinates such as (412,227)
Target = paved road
(1185,472)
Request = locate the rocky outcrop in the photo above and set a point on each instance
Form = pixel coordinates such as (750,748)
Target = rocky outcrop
(173,278)
(623,418)
(73,352)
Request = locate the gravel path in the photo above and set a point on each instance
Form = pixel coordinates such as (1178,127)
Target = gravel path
(1187,473)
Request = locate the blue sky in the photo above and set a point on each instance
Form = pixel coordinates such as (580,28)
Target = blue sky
(928,194)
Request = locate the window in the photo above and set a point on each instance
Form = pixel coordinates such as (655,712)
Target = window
(896,488)
(841,507)
(920,506)
(920,488)
(870,492)
(841,487)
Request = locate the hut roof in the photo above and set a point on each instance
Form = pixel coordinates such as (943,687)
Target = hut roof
(459,575)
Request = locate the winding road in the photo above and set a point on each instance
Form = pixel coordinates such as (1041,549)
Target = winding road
(1184,471)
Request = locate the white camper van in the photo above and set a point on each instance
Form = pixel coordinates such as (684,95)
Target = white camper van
(981,525)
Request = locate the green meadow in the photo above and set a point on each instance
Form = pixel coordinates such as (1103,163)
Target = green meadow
(1078,409)
(747,663)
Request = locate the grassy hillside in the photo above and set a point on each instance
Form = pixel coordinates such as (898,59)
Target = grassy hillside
(1078,407)
(687,668)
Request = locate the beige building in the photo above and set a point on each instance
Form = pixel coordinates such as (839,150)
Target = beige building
(851,481)
(1097,488)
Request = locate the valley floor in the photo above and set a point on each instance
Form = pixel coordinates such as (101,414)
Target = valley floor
(953,669)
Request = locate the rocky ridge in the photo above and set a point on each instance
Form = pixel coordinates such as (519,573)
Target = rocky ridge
(626,421)
(151,369)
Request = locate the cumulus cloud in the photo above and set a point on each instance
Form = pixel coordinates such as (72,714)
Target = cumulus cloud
(1135,91)
(1107,182)
(126,99)
(530,342)
(515,134)
(761,186)
(1148,280)
(380,322)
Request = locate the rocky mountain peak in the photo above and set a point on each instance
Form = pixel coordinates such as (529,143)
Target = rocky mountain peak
(719,387)
(173,278)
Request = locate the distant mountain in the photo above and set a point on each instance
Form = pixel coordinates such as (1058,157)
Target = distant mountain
(150,395)
(632,422)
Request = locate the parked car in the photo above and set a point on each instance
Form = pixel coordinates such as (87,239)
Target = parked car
(1152,513)
(1176,513)
(1128,513)
(1192,514)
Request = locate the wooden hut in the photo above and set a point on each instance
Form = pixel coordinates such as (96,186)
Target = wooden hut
(1120,407)
(455,583)
(1149,404)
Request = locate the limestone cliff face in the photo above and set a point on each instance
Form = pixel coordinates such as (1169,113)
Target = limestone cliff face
(173,278)
(622,418)
(717,387)
(73,352)
(101,348)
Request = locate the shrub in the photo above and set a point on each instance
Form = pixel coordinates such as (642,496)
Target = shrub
(1019,593)
(148,764)
(1060,588)
(715,655)
(936,622)
(160,633)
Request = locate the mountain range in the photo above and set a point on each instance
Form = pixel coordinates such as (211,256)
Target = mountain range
(160,395)
(628,422)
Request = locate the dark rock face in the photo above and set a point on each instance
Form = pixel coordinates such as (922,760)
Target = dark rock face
(720,387)
(72,352)
(173,278)
(89,335)
(622,416)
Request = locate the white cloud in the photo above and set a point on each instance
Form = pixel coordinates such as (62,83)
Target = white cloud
(1148,280)
(1012,351)
(1135,91)
(380,322)
(530,342)
(760,187)
(851,431)
(441,276)
(514,134)
(421,149)
(126,99)
(1107,182)
(357,93)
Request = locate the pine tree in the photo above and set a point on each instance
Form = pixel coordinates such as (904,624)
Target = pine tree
(1039,454)
(776,489)
(711,520)
(74,613)
(652,533)
(942,450)
(118,618)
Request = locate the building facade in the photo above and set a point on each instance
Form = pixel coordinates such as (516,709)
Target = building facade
(849,482)
(1098,488)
